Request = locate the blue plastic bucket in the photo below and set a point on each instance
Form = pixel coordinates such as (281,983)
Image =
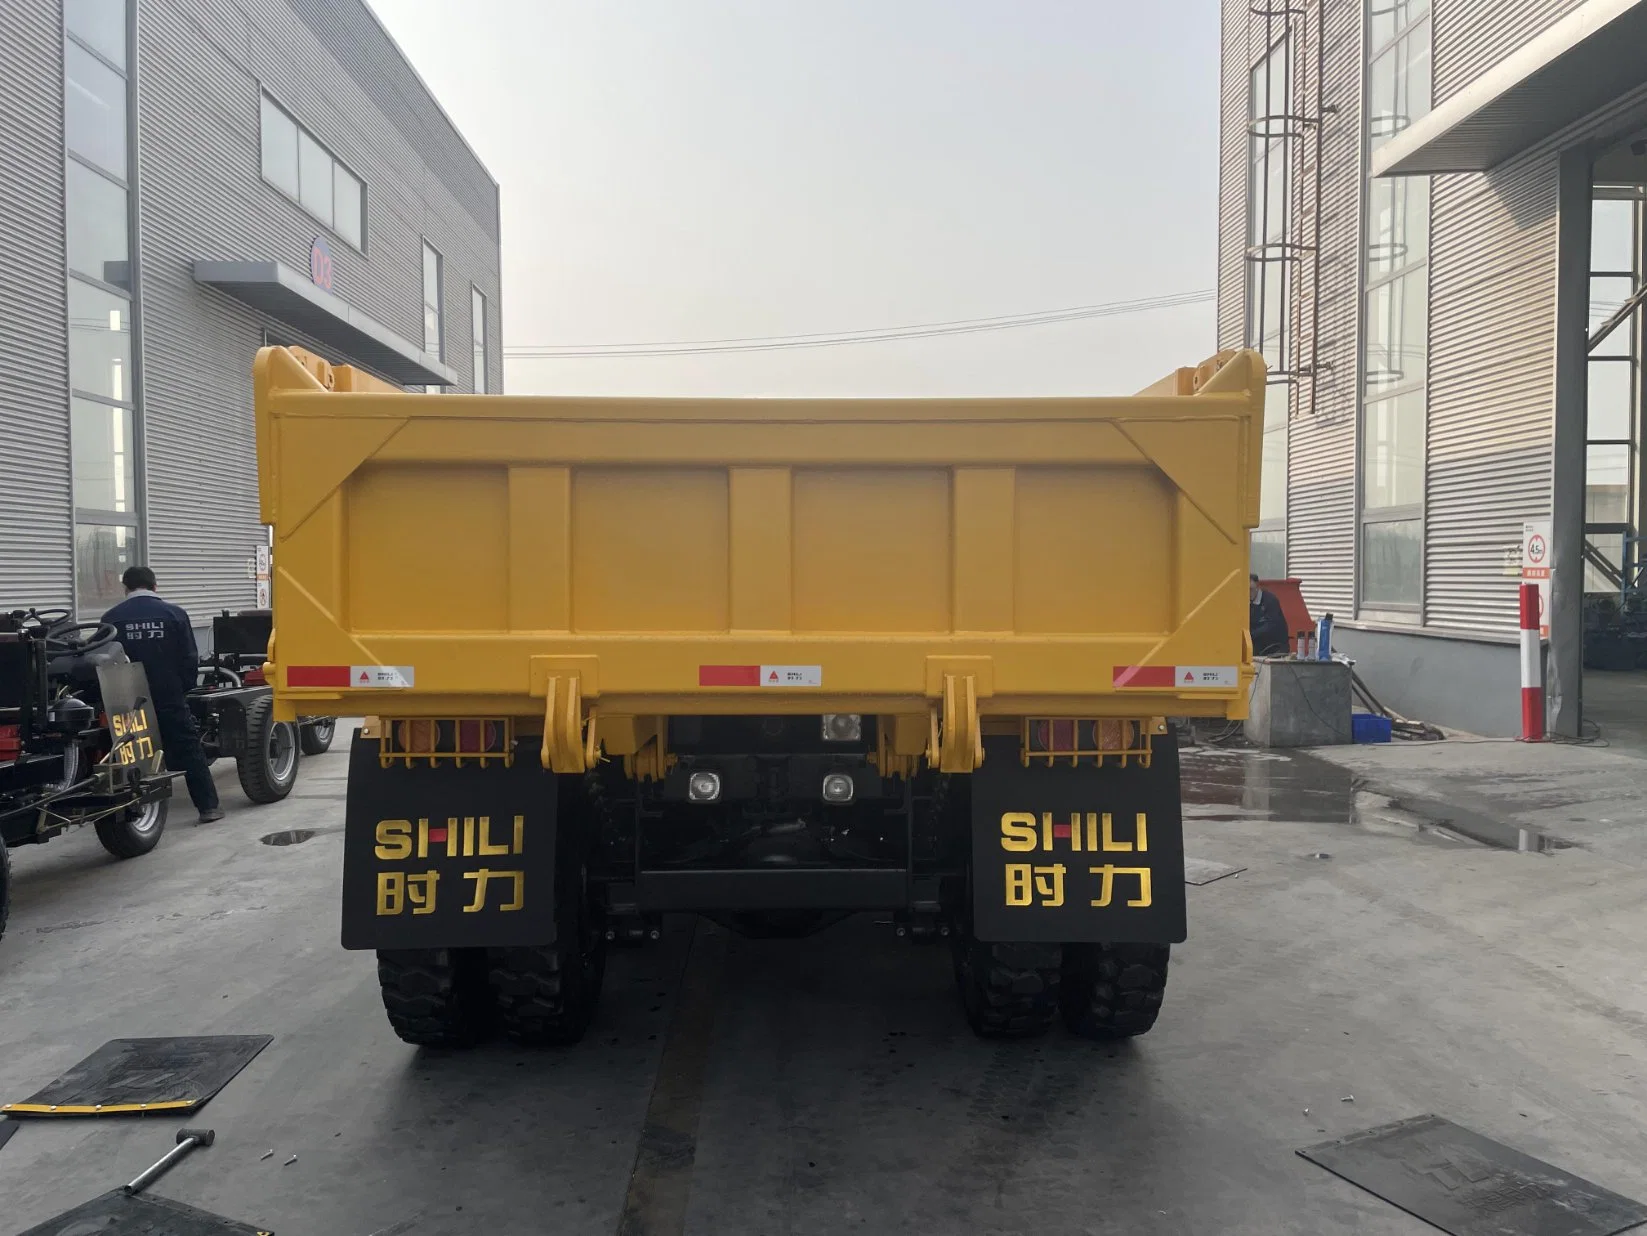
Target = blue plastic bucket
(1370,727)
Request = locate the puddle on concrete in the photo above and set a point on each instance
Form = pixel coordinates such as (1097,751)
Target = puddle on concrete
(292,836)
(1236,784)
(1239,785)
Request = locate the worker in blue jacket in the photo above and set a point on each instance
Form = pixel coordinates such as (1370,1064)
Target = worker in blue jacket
(159,637)
(1266,621)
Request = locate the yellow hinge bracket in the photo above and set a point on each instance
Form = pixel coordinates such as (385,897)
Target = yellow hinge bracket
(957,684)
(570,740)
(957,744)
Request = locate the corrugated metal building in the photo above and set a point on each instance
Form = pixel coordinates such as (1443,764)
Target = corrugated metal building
(1429,209)
(183,181)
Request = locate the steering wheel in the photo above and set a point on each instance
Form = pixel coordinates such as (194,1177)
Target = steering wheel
(63,637)
(47,618)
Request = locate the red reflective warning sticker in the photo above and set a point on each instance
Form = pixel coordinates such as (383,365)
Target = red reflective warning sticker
(729,675)
(1144,675)
(317,675)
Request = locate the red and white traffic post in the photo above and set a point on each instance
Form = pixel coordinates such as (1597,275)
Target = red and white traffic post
(1532,667)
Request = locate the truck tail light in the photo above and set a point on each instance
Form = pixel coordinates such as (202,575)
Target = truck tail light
(1054,739)
(427,739)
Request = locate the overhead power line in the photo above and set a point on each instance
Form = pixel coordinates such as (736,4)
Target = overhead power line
(889,334)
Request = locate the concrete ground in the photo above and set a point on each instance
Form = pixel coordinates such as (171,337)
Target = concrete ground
(1616,704)
(1370,963)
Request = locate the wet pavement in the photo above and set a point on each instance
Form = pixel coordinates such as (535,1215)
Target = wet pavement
(1370,946)
(1227,784)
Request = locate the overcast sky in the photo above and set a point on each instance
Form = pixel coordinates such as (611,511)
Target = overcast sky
(703,169)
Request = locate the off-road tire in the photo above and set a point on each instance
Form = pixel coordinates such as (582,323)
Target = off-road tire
(1009,991)
(546,994)
(258,775)
(316,739)
(121,835)
(1113,991)
(436,997)
(5,886)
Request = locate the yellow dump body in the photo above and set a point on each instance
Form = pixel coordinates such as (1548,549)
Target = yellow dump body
(624,559)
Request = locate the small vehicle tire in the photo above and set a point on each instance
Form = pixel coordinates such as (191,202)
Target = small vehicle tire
(268,765)
(5,886)
(547,994)
(1113,991)
(316,737)
(1009,991)
(134,831)
(436,997)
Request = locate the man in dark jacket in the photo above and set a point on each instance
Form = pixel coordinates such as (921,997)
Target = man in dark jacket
(160,638)
(1268,624)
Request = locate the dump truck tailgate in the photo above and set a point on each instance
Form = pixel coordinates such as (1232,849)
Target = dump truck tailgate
(457,554)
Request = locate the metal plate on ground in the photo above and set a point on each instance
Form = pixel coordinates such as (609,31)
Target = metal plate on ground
(1470,1185)
(1205,871)
(117,1213)
(136,1076)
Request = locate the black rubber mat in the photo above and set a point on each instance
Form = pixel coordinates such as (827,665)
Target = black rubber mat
(138,1076)
(117,1213)
(1470,1185)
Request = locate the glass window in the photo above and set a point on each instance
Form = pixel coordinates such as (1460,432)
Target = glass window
(102,552)
(1399,85)
(1392,563)
(1392,454)
(477,334)
(1272,485)
(1397,318)
(101,25)
(1607,295)
(279,148)
(1398,223)
(1268,559)
(314,176)
(1611,401)
(1607,484)
(97,226)
(1388,18)
(1613,230)
(1610,545)
(105,458)
(348,206)
(295,162)
(94,109)
(100,342)
(433,334)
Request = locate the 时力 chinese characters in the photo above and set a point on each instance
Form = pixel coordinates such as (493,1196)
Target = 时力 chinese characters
(481,888)
(1043,884)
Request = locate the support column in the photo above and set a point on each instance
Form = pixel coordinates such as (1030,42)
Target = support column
(1566,664)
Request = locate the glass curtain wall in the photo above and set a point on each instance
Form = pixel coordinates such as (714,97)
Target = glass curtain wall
(1613,419)
(1394,372)
(104,418)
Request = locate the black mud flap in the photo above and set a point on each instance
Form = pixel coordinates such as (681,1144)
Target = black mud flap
(448,857)
(1077,855)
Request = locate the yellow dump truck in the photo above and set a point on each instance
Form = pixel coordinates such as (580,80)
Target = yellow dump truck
(770,661)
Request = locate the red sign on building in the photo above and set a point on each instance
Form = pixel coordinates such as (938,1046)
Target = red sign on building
(320,263)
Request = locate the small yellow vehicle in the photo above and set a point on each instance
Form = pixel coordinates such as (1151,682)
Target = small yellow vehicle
(770,661)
